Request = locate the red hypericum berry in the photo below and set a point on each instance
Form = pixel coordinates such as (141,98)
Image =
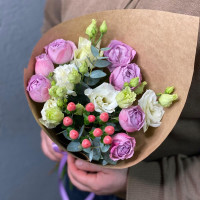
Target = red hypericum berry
(91,118)
(97,132)
(67,121)
(104,117)
(86,143)
(73,134)
(89,107)
(107,139)
(71,106)
(109,130)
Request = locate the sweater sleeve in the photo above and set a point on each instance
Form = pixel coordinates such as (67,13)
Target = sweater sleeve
(176,177)
(52,14)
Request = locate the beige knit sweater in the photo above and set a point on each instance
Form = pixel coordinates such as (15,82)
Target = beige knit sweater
(172,172)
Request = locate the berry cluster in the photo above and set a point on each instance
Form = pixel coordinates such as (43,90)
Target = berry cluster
(95,124)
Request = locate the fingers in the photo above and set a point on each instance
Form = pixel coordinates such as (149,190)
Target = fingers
(46,145)
(76,183)
(79,176)
(86,166)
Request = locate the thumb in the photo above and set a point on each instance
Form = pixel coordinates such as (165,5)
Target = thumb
(86,166)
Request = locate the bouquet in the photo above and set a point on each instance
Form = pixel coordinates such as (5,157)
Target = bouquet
(95,100)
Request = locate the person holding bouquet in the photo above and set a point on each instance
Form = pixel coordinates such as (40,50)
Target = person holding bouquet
(173,170)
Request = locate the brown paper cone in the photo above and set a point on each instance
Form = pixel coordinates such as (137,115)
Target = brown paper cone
(165,45)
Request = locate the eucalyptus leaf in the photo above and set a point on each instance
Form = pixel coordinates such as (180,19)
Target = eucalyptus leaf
(105,49)
(107,158)
(87,74)
(81,131)
(101,58)
(91,153)
(87,150)
(96,154)
(104,162)
(94,51)
(74,147)
(102,63)
(98,74)
(91,81)
(105,148)
(66,135)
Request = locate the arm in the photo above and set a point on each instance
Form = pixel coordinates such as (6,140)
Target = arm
(173,178)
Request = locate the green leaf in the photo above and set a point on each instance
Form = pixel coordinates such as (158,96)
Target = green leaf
(87,74)
(105,49)
(87,150)
(98,74)
(101,58)
(108,159)
(91,153)
(81,131)
(66,135)
(94,51)
(104,162)
(96,154)
(91,81)
(74,147)
(105,148)
(102,63)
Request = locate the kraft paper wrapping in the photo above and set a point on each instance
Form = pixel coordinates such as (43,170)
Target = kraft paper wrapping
(165,44)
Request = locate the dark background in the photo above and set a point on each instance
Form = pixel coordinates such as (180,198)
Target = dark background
(24,170)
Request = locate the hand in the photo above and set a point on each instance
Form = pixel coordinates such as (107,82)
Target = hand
(46,144)
(93,178)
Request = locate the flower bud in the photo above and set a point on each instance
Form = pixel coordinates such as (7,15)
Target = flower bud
(43,65)
(53,83)
(126,84)
(107,140)
(38,87)
(103,27)
(54,115)
(71,106)
(139,89)
(74,77)
(92,30)
(86,143)
(83,68)
(52,91)
(61,91)
(125,98)
(166,100)
(79,109)
(134,82)
(169,90)
(60,103)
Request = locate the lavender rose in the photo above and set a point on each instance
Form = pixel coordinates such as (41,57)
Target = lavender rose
(132,119)
(61,51)
(119,54)
(124,74)
(43,65)
(122,147)
(38,87)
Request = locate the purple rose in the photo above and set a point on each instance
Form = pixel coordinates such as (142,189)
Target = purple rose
(43,65)
(122,147)
(132,119)
(119,54)
(38,88)
(124,74)
(61,51)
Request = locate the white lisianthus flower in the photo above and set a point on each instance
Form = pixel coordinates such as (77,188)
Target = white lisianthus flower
(103,97)
(152,109)
(51,114)
(61,76)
